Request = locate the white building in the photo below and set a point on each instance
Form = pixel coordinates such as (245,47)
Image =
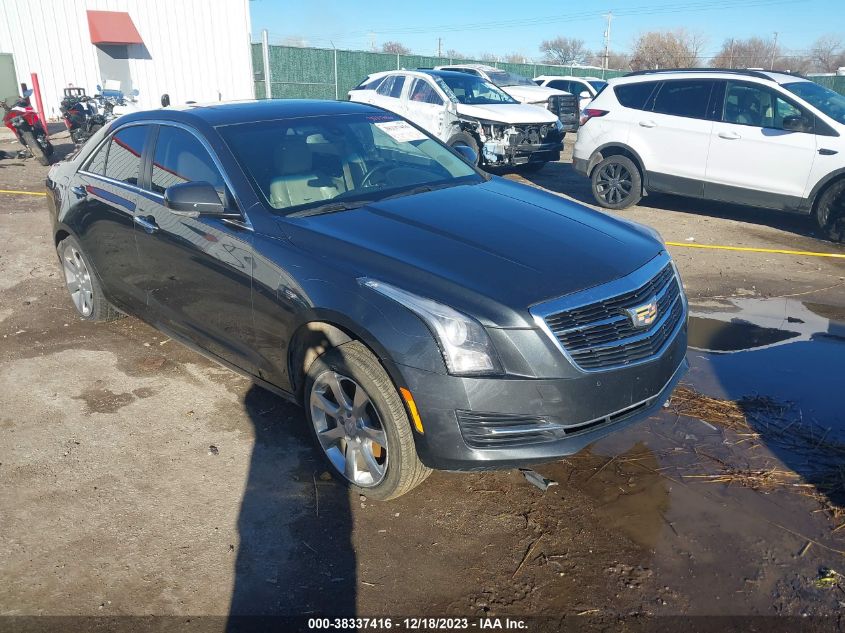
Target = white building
(193,50)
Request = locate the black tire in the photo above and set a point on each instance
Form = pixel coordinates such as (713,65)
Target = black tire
(463,138)
(92,304)
(531,167)
(830,212)
(359,368)
(35,148)
(617,183)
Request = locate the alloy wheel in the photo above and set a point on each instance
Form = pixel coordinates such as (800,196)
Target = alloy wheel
(349,429)
(78,280)
(614,183)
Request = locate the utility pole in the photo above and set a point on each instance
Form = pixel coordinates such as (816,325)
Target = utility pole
(774,51)
(731,59)
(439,47)
(609,17)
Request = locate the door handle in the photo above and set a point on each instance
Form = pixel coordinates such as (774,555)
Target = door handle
(79,191)
(824,151)
(729,136)
(147,223)
(648,124)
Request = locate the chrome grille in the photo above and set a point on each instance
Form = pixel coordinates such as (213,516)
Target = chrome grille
(600,335)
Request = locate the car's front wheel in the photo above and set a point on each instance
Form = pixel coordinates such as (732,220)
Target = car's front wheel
(617,183)
(82,284)
(360,423)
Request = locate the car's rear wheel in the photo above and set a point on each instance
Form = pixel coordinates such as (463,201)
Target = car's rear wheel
(462,138)
(82,284)
(360,423)
(617,183)
(830,212)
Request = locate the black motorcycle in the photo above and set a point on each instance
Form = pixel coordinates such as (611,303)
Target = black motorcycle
(81,115)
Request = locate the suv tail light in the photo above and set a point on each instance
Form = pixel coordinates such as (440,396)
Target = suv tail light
(591,113)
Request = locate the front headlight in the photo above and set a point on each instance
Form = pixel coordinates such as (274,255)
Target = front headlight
(465,346)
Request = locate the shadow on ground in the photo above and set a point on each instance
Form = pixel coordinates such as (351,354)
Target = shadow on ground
(295,555)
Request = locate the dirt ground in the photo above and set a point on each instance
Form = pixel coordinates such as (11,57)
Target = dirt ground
(139,478)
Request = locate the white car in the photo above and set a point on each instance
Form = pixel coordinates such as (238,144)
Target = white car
(760,138)
(585,88)
(526,91)
(466,111)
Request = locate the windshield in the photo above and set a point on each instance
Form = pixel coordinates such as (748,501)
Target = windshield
(829,102)
(598,85)
(472,90)
(504,78)
(309,163)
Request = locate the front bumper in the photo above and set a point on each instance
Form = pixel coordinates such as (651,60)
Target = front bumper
(576,411)
(500,153)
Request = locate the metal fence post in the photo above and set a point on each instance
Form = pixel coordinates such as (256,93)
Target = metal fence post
(265,51)
(335,74)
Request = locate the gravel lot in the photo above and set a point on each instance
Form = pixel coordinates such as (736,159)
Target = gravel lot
(114,503)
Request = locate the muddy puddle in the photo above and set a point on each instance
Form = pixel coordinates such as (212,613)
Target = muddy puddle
(737,489)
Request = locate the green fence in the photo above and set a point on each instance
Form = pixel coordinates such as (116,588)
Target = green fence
(325,73)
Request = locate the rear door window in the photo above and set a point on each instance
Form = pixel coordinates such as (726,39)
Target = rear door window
(686,98)
(559,84)
(392,86)
(635,95)
(125,150)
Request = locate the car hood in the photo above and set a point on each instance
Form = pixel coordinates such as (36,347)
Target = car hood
(531,94)
(491,249)
(508,113)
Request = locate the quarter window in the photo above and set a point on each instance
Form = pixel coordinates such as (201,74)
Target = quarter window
(125,150)
(686,98)
(97,163)
(635,95)
(424,92)
(180,157)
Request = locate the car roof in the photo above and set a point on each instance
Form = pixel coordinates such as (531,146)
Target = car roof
(228,113)
(569,77)
(483,67)
(777,76)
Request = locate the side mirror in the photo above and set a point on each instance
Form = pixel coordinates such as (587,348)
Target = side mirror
(193,199)
(584,94)
(795,123)
(467,153)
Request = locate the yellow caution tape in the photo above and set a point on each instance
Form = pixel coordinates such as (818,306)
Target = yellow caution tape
(747,249)
(23,193)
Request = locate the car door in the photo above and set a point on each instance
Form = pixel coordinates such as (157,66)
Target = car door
(425,107)
(673,135)
(753,160)
(107,190)
(196,271)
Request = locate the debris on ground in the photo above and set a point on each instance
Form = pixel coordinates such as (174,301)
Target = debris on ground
(213,450)
(325,476)
(827,578)
(537,479)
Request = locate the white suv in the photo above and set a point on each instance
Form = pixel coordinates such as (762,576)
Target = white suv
(584,87)
(765,139)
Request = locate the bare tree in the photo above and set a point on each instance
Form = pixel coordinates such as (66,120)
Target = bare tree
(453,54)
(615,60)
(396,48)
(517,58)
(565,51)
(488,57)
(666,49)
(295,40)
(755,52)
(828,53)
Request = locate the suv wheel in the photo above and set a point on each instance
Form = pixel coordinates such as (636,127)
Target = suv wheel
(360,423)
(617,183)
(462,138)
(830,212)
(82,284)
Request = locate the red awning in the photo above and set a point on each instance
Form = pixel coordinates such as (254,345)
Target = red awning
(112,27)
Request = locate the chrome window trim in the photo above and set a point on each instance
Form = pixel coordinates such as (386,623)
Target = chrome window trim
(245,224)
(635,280)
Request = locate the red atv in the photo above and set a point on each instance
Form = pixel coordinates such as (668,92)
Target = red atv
(28,128)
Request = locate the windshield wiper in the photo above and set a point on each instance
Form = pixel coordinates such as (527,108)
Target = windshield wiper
(330,207)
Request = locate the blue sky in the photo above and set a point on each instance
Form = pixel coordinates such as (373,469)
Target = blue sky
(506,26)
